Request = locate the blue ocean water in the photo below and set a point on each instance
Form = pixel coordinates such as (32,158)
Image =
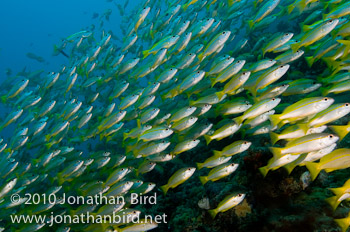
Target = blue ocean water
(35,26)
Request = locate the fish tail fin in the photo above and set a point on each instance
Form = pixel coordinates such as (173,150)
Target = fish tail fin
(207,139)
(212,81)
(333,202)
(7,150)
(343,223)
(250,24)
(101,136)
(145,53)
(208,6)
(151,33)
(306,28)
(217,153)
(47,137)
(300,5)
(200,165)
(212,213)
(275,119)
(338,191)
(60,179)
(203,179)
(220,94)
(313,169)
(192,103)
(324,91)
(125,136)
(3,99)
(304,127)
(341,131)
(174,92)
(264,170)
(109,138)
(201,56)
(324,16)
(345,42)
(290,8)
(48,145)
(56,50)
(274,137)
(239,120)
(331,63)
(138,123)
(295,47)
(164,188)
(289,167)
(277,152)
(310,60)
(347,45)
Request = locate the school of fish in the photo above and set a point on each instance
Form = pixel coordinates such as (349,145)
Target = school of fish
(184,73)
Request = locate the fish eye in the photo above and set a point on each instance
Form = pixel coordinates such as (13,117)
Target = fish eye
(171,69)
(331,20)
(346,104)
(223,33)
(144,8)
(174,36)
(149,184)
(198,72)
(134,212)
(190,54)
(228,58)
(286,34)
(188,169)
(325,99)
(194,140)
(244,73)
(273,99)
(167,129)
(281,66)
(208,19)
(135,58)
(122,169)
(271,60)
(245,142)
(239,194)
(330,136)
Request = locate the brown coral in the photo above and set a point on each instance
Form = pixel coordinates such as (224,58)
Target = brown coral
(243,209)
